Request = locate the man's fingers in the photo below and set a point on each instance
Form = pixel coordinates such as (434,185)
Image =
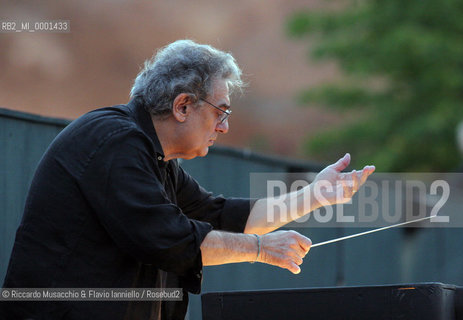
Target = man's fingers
(301,252)
(294,268)
(285,249)
(292,263)
(301,244)
(365,173)
(289,261)
(369,169)
(355,181)
(363,176)
(305,243)
(342,163)
(298,238)
(297,259)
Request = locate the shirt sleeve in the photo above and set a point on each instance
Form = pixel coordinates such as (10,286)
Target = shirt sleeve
(227,214)
(122,185)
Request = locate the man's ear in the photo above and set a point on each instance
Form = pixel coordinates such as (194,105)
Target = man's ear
(183,105)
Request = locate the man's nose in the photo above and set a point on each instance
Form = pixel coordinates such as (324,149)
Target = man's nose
(222,127)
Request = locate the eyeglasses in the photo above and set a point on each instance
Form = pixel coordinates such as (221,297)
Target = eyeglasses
(225,114)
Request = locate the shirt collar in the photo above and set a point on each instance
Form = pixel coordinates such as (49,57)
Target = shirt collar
(143,118)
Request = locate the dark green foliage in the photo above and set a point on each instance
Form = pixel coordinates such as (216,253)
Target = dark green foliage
(403,66)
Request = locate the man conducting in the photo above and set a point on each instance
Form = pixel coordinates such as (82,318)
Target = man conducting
(109,206)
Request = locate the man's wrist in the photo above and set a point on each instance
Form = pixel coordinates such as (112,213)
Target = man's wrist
(313,204)
(259,247)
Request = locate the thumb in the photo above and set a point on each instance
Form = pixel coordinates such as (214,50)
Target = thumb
(342,163)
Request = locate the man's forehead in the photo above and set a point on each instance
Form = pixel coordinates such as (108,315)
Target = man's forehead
(220,86)
(221,93)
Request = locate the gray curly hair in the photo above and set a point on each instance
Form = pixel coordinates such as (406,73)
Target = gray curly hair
(183,67)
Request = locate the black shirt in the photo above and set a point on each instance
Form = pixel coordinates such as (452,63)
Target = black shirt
(105,210)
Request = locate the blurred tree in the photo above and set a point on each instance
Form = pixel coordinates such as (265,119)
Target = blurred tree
(402,89)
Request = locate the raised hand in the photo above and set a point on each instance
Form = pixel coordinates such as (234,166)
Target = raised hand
(331,186)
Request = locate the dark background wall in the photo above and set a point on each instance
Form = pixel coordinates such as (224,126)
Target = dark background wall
(393,256)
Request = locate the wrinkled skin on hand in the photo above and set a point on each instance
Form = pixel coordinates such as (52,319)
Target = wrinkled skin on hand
(331,186)
(285,249)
